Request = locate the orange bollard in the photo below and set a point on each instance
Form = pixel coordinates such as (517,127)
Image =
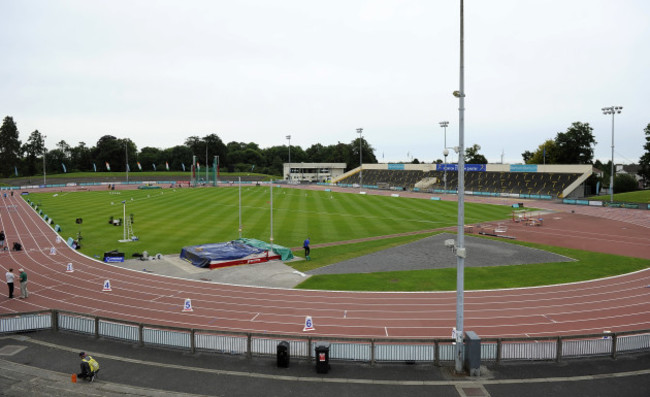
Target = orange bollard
(73,378)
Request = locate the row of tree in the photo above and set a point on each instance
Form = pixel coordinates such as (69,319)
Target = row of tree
(31,157)
(575,146)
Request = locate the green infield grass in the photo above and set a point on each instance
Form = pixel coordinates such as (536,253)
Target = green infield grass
(166,220)
(639,196)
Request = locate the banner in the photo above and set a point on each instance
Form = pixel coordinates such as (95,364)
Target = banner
(139,166)
(167,165)
(94,167)
(183,165)
(154,166)
(65,171)
(128,169)
(108,166)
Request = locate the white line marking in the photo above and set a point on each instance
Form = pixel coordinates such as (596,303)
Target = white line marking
(253,319)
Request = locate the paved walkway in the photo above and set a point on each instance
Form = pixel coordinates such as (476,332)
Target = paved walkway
(41,364)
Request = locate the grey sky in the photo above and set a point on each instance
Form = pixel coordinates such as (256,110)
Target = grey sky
(255,71)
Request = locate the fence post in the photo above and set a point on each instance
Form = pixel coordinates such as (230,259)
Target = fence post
(141,335)
(372,352)
(436,353)
(249,346)
(55,320)
(192,341)
(558,350)
(96,327)
(614,345)
(499,353)
(309,350)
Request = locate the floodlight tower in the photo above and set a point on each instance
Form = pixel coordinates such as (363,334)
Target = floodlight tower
(460,247)
(289,139)
(44,171)
(612,110)
(360,131)
(445,151)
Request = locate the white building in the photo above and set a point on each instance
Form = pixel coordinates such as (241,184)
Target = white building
(312,172)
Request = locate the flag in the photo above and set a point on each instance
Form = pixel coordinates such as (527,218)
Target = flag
(16,170)
(108,166)
(198,166)
(154,166)
(167,165)
(253,167)
(183,165)
(64,169)
(139,166)
(128,169)
(94,167)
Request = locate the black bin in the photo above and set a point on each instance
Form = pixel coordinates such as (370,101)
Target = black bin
(283,354)
(322,358)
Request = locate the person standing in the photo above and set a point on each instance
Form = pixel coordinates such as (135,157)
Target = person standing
(2,239)
(23,284)
(305,245)
(10,282)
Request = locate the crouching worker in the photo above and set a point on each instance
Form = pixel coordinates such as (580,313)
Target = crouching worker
(89,367)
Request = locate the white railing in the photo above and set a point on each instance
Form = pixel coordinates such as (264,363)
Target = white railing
(437,351)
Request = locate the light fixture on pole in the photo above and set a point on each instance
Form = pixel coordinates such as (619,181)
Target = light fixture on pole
(126,151)
(460,246)
(44,171)
(360,131)
(445,151)
(289,139)
(612,110)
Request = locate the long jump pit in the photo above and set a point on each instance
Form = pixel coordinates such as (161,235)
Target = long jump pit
(242,251)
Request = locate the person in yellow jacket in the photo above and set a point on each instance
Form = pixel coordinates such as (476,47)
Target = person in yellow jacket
(89,367)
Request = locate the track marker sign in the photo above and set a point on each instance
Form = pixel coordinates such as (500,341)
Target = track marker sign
(107,285)
(52,251)
(187,306)
(69,268)
(309,324)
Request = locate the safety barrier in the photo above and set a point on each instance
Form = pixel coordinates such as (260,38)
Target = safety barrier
(436,351)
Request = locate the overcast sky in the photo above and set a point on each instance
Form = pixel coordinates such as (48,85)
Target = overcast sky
(158,72)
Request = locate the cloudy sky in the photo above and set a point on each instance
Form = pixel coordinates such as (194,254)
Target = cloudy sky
(258,70)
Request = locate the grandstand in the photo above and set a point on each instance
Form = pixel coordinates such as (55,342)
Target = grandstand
(516,180)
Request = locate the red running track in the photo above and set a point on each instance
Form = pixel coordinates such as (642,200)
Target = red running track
(614,304)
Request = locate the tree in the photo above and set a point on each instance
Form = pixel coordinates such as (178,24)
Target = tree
(625,183)
(109,150)
(644,161)
(472,156)
(33,148)
(576,145)
(10,147)
(546,153)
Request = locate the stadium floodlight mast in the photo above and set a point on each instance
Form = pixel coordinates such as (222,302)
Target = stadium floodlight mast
(445,151)
(126,152)
(360,131)
(460,246)
(44,171)
(612,110)
(289,139)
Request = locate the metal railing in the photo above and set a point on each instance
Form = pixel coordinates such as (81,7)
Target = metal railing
(436,351)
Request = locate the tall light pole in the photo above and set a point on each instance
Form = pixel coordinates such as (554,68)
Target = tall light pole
(460,247)
(445,151)
(44,171)
(289,139)
(612,110)
(126,151)
(360,131)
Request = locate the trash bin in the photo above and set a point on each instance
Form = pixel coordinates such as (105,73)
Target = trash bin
(322,357)
(283,354)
